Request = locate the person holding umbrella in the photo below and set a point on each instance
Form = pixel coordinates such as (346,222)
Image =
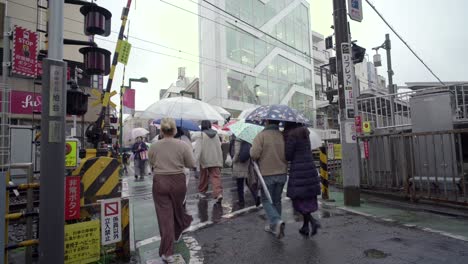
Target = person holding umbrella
(268,150)
(140,152)
(304,182)
(209,155)
(169,157)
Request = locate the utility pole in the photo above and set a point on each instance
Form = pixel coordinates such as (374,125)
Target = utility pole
(350,160)
(4,132)
(51,214)
(388,48)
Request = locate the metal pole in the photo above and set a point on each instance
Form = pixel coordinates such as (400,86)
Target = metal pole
(51,214)
(4,132)
(350,159)
(388,47)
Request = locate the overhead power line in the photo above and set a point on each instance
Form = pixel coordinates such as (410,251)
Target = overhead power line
(404,42)
(240,30)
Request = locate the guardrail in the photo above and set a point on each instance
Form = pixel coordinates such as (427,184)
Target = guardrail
(394,110)
(431,165)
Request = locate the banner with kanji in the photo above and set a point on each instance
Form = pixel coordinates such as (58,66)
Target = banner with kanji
(129,101)
(72,197)
(25,51)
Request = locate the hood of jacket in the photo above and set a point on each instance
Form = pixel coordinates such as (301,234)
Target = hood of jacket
(210,132)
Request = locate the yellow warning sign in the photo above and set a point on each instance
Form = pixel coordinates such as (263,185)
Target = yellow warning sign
(366,127)
(82,242)
(337,151)
(71,154)
(124,51)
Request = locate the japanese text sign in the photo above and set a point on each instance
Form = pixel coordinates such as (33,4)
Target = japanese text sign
(111,221)
(358,124)
(366,149)
(56,104)
(355,10)
(124,51)
(71,153)
(25,50)
(337,151)
(82,242)
(366,127)
(348,79)
(72,197)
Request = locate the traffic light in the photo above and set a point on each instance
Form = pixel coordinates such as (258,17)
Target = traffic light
(358,53)
(329,42)
(332,63)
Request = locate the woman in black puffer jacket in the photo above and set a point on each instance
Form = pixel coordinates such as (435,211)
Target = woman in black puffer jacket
(304,182)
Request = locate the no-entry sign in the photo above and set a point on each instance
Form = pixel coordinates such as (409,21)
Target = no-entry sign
(111,221)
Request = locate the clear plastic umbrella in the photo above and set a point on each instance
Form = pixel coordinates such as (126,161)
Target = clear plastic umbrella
(182,108)
(315,139)
(139,132)
(222,111)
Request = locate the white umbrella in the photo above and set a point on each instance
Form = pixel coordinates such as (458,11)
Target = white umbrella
(222,111)
(246,112)
(139,132)
(182,108)
(315,139)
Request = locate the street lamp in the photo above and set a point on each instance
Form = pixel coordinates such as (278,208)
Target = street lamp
(122,91)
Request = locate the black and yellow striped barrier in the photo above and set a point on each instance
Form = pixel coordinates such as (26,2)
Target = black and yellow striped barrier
(99,179)
(26,243)
(123,248)
(324,172)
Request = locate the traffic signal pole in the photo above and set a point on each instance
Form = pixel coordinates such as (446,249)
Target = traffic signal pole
(51,214)
(350,157)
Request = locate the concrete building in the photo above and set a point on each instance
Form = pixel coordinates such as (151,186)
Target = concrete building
(26,91)
(257,52)
(183,86)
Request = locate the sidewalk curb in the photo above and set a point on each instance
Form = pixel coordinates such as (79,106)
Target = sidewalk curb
(389,220)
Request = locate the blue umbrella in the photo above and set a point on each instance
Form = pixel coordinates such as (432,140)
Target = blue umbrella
(281,113)
(182,123)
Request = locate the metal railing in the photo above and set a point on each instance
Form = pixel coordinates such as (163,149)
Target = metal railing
(432,165)
(394,110)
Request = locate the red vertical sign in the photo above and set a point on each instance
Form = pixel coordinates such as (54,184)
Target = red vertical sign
(358,124)
(25,51)
(129,101)
(72,197)
(366,149)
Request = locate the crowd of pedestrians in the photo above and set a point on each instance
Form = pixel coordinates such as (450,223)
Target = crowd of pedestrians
(283,157)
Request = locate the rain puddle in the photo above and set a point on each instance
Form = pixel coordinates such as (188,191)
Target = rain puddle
(375,254)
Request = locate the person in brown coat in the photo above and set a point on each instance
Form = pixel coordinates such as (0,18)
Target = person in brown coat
(168,158)
(268,151)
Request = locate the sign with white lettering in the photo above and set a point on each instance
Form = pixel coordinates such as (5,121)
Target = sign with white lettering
(355,10)
(25,50)
(348,78)
(111,221)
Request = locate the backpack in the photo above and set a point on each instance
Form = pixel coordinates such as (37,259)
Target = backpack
(244,152)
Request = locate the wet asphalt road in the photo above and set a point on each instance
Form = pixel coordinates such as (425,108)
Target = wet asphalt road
(344,238)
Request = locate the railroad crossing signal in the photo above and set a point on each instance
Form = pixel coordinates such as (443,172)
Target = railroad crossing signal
(103,100)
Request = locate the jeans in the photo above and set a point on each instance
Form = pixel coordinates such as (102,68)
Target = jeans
(275,185)
(140,167)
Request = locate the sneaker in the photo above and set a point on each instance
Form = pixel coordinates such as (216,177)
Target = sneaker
(268,229)
(279,229)
(168,259)
(202,195)
(219,198)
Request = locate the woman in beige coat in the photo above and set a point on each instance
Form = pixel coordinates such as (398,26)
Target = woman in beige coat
(168,158)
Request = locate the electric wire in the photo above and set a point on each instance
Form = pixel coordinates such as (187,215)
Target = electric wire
(242,31)
(404,42)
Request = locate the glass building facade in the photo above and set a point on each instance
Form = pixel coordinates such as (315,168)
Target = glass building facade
(276,60)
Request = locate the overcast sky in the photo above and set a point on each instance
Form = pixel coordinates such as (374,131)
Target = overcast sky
(435,29)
